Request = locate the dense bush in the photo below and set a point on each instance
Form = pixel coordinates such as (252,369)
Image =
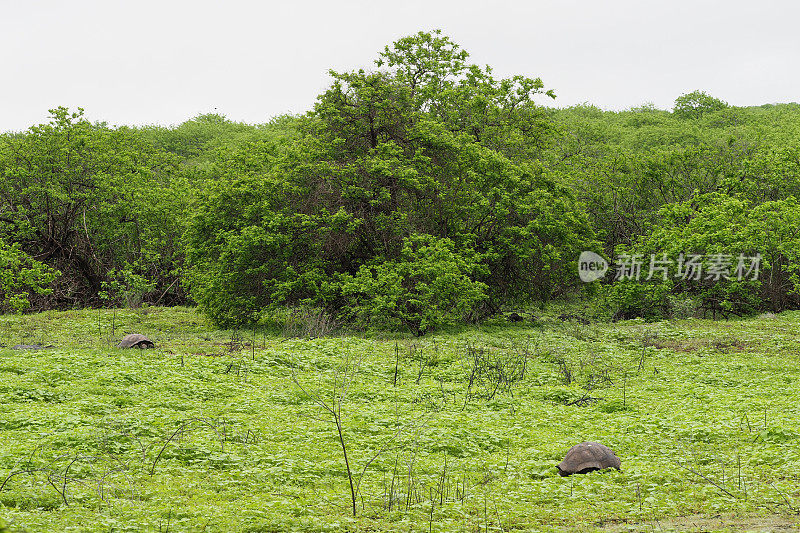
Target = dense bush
(427,285)
(726,233)
(630,299)
(87,199)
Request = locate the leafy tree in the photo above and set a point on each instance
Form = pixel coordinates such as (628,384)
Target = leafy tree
(384,156)
(247,246)
(696,104)
(500,113)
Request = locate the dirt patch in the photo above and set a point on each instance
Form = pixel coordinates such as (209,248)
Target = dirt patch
(723,345)
(722,523)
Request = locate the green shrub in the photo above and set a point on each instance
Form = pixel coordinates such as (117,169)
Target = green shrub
(682,306)
(630,299)
(428,285)
(20,276)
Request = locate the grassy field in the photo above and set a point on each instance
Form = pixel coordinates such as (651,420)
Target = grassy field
(457,431)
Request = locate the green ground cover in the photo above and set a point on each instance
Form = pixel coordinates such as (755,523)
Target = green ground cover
(455,431)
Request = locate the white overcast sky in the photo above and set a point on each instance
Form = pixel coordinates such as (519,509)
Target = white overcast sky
(163,62)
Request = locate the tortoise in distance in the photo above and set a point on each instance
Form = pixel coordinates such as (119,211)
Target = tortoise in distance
(588,457)
(136,340)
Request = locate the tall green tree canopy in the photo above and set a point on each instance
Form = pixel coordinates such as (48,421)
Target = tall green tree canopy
(428,146)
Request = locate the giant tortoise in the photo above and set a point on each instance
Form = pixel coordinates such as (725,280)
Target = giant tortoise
(136,340)
(587,457)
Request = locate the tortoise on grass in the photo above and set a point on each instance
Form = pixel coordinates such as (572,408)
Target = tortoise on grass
(136,340)
(587,457)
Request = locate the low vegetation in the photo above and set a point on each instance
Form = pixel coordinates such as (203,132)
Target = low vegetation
(247,430)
